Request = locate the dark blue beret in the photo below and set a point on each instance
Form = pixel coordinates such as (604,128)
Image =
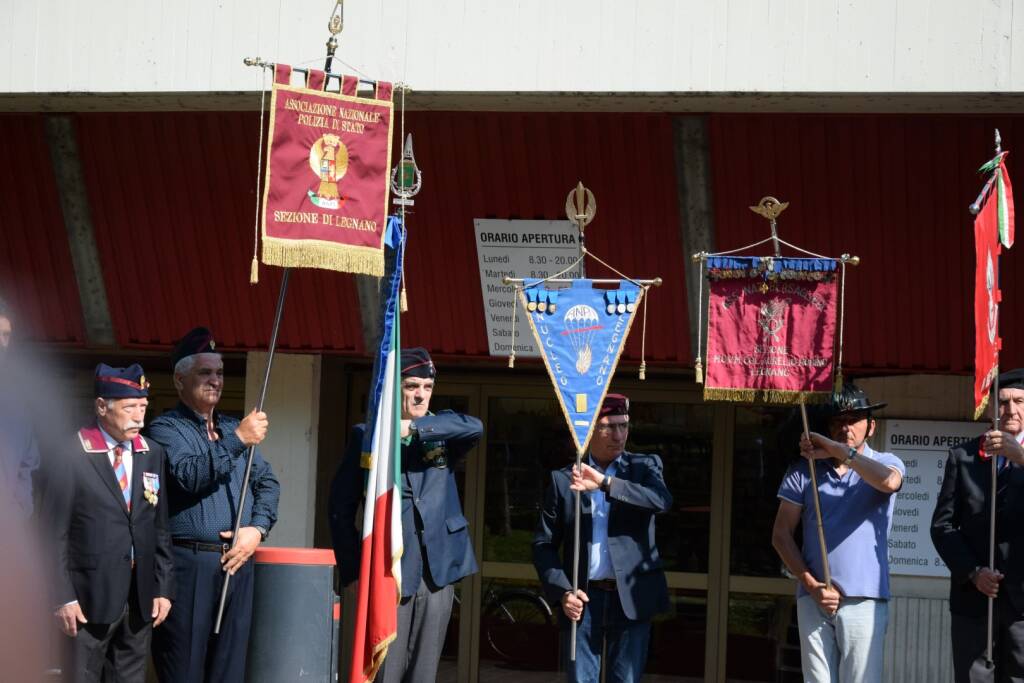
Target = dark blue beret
(198,340)
(416,363)
(1012,379)
(127,382)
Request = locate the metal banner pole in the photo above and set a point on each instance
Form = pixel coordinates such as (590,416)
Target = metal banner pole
(575,560)
(252,449)
(992,517)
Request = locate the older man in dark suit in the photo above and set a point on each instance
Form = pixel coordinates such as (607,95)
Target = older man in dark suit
(435,534)
(622,583)
(109,522)
(960,532)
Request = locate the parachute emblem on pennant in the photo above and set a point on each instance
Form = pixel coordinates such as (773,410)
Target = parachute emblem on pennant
(581,322)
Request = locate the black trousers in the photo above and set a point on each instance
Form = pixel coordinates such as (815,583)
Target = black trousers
(969,635)
(116,652)
(185,650)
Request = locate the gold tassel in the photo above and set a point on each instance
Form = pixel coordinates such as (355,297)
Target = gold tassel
(838,388)
(403,301)
(512,360)
(254,271)
(698,368)
(643,371)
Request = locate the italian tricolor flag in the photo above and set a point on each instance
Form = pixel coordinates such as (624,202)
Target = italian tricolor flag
(380,570)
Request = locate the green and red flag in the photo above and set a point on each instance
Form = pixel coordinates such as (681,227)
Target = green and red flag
(993,229)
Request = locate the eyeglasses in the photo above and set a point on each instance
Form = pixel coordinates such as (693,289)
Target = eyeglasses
(615,426)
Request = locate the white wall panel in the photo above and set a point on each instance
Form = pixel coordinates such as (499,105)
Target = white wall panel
(606,46)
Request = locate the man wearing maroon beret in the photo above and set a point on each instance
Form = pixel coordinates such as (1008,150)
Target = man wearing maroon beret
(622,584)
(435,534)
(108,519)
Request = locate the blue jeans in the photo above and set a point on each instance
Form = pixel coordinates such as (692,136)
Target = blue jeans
(846,647)
(626,639)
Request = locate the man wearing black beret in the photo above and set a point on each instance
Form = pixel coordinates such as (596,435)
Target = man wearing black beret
(435,534)
(960,532)
(206,459)
(108,519)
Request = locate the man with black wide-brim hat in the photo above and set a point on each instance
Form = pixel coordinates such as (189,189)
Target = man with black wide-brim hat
(842,629)
(960,532)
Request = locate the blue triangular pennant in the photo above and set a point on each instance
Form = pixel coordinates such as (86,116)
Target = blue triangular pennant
(580,338)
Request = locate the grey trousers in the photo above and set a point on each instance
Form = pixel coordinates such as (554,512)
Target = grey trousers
(422,623)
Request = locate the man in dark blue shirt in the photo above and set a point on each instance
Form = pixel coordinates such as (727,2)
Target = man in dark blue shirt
(206,458)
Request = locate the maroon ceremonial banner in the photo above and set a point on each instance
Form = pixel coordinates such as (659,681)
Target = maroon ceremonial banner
(326,192)
(986,302)
(771,329)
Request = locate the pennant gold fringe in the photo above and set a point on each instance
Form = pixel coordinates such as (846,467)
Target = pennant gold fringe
(980,409)
(290,254)
(769,396)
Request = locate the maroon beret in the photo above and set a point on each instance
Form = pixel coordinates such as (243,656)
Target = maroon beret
(614,404)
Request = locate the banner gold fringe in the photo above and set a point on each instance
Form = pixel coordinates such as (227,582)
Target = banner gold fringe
(767,396)
(289,254)
(981,406)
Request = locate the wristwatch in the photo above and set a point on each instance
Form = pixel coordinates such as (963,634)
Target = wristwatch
(851,456)
(606,484)
(263,532)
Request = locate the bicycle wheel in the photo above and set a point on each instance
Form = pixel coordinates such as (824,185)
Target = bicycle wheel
(512,623)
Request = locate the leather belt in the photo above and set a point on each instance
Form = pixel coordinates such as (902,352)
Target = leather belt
(602,584)
(196,546)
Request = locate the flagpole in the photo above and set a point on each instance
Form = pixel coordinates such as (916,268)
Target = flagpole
(994,469)
(334,26)
(817,502)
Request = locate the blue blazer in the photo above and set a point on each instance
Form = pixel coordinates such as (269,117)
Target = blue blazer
(638,492)
(432,520)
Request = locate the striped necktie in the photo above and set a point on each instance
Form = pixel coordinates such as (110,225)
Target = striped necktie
(122,475)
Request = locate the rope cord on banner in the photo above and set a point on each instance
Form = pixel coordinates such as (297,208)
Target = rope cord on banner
(254,270)
(705,255)
(698,366)
(643,337)
(842,318)
(403,301)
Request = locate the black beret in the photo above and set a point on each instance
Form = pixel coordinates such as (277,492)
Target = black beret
(416,363)
(1012,379)
(127,382)
(198,340)
(614,404)
(852,399)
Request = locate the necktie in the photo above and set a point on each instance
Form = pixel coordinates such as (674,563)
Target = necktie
(122,475)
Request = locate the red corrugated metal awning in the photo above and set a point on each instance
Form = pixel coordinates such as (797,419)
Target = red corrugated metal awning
(37,277)
(893,189)
(173,202)
(500,165)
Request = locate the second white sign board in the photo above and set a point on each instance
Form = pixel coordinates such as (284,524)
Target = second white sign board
(519,249)
(923,446)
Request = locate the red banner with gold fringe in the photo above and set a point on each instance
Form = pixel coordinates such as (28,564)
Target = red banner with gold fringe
(771,329)
(326,191)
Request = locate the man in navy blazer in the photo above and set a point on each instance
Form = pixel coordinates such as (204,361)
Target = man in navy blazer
(622,585)
(108,519)
(435,535)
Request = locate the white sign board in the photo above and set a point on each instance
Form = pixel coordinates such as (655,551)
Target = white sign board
(519,249)
(923,446)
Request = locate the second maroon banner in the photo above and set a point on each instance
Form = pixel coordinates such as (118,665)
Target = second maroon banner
(771,329)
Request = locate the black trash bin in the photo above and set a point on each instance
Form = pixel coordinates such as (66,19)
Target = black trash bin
(295,617)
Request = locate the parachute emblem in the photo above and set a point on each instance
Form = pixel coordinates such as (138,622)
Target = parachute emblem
(581,321)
